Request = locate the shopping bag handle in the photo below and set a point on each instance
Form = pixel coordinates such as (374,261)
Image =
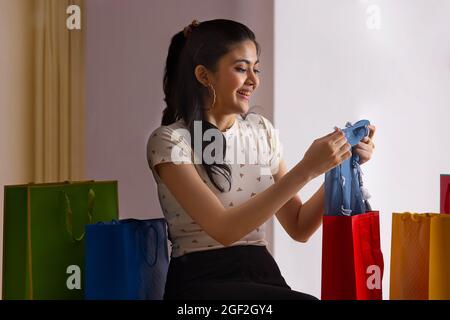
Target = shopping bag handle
(144,247)
(69,214)
(447,200)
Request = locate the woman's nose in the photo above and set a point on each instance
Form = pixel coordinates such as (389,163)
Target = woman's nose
(252,79)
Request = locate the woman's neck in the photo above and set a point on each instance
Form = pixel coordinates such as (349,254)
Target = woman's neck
(222,121)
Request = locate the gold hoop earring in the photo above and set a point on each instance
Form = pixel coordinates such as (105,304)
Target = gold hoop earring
(214,97)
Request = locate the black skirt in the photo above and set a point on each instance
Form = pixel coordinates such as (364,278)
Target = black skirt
(238,272)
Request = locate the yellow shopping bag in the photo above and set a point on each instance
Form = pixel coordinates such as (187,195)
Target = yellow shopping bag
(439,287)
(420,256)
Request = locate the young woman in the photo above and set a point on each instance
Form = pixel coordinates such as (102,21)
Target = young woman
(216,204)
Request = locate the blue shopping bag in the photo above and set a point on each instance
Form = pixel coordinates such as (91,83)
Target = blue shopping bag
(126,260)
(344,192)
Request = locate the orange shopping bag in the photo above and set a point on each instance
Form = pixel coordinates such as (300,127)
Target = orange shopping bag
(420,256)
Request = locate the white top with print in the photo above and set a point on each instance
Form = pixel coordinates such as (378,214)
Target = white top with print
(253,152)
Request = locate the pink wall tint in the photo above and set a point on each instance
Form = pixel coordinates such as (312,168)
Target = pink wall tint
(127,43)
(16,97)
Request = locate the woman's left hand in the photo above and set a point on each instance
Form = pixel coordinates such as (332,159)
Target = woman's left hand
(365,148)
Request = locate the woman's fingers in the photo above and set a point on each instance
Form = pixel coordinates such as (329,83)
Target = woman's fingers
(363,144)
(330,135)
(364,155)
(372,130)
(346,155)
(342,145)
(337,135)
(366,143)
(338,138)
(343,149)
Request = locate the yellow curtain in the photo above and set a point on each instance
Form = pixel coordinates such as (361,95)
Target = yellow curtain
(60,93)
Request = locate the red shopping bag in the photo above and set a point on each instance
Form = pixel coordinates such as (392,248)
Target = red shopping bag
(352,262)
(445,193)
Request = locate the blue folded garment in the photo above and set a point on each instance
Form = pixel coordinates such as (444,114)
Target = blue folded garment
(344,192)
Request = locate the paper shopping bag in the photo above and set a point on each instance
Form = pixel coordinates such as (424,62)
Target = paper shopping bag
(126,260)
(445,193)
(43,248)
(352,261)
(420,256)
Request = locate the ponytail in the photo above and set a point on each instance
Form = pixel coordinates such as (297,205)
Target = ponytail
(199,44)
(170,113)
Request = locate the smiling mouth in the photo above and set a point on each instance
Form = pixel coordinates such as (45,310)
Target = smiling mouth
(244,94)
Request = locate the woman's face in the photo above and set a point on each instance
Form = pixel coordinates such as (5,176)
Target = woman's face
(236,79)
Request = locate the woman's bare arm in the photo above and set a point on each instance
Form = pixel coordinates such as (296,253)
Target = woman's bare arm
(300,220)
(232,224)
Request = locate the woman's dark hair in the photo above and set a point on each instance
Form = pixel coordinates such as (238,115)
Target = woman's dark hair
(184,94)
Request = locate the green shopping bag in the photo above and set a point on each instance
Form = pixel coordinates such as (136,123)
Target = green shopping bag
(43,230)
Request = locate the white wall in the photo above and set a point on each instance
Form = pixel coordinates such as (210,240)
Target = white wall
(329,69)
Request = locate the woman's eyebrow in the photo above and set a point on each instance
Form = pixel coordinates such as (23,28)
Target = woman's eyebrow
(246,61)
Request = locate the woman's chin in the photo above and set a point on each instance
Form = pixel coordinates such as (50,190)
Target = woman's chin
(238,107)
(242,107)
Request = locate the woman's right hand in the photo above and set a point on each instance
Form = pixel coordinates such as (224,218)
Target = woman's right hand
(326,153)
